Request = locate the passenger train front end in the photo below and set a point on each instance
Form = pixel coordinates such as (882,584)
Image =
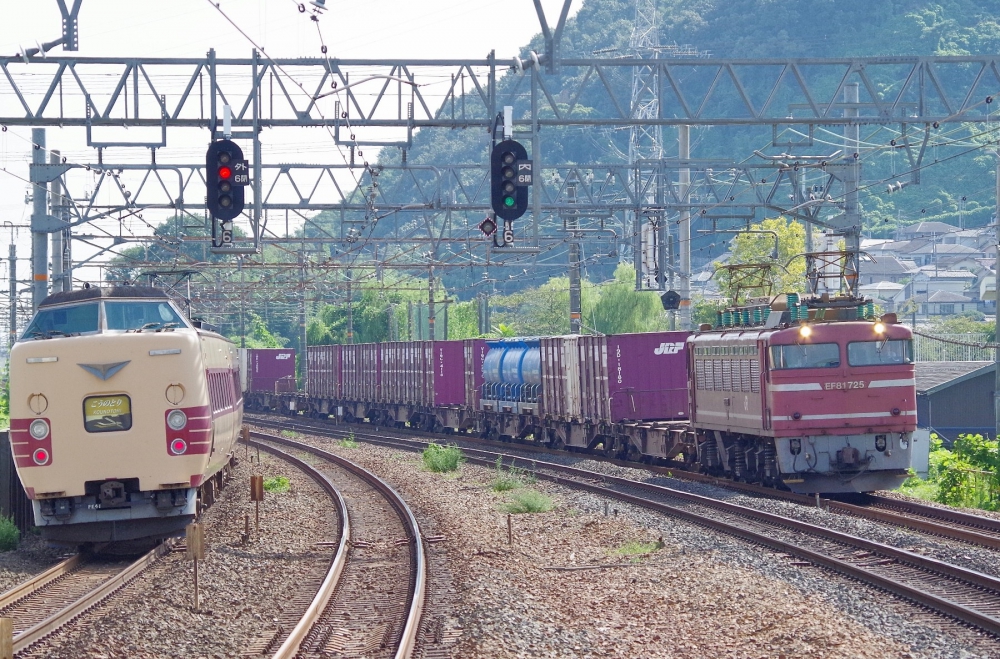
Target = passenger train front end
(121,410)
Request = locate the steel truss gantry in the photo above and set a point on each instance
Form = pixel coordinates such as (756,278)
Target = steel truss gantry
(383,102)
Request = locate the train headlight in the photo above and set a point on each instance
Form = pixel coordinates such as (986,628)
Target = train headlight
(178,446)
(39,429)
(805,331)
(177,419)
(879,328)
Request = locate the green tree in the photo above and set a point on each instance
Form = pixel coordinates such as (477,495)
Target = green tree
(544,311)
(787,274)
(622,309)
(258,334)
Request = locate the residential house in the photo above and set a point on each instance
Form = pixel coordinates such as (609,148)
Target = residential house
(942,303)
(886,294)
(929,279)
(924,230)
(886,269)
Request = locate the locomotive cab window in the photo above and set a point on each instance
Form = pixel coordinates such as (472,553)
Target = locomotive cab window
(811,355)
(63,321)
(134,315)
(875,353)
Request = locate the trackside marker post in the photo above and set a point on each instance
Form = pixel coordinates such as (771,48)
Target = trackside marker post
(195,544)
(257,495)
(6,638)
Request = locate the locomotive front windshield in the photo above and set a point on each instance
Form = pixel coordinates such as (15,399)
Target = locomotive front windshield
(64,321)
(133,315)
(805,355)
(875,353)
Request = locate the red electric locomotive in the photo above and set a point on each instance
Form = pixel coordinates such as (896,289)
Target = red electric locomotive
(820,396)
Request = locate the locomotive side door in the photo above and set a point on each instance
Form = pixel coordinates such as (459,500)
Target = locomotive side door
(765,378)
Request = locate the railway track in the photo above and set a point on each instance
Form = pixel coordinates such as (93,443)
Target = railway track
(960,594)
(371,601)
(50,600)
(914,516)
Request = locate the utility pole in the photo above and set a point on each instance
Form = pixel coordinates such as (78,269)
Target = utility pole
(430,304)
(39,216)
(684,226)
(350,311)
(12,295)
(852,213)
(996,298)
(572,224)
(243,299)
(671,266)
(302,320)
(55,200)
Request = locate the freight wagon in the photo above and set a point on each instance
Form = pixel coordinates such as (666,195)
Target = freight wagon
(816,395)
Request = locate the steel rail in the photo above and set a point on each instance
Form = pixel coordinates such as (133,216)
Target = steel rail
(36,582)
(976,580)
(951,530)
(419,585)
(293,642)
(91,599)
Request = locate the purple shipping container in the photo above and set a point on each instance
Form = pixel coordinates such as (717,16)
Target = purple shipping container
(560,363)
(406,372)
(448,373)
(647,376)
(323,364)
(270,370)
(360,377)
(594,401)
(475,353)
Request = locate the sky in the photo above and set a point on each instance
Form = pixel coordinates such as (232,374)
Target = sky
(369,29)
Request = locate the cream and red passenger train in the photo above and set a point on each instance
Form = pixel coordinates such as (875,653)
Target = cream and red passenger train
(124,415)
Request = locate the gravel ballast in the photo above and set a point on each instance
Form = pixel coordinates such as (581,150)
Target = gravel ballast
(243,586)
(701,595)
(563,587)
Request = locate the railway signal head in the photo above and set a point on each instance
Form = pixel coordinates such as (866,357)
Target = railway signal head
(510,177)
(223,162)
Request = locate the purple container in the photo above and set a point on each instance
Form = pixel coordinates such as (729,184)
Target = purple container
(323,364)
(448,366)
(271,370)
(647,376)
(475,353)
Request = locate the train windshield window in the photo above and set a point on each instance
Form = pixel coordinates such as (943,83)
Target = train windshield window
(809,355)
(63,321)
(141,316)
(873,353)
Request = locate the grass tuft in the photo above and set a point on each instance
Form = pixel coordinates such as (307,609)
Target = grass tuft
(277,484)
(511,478)
(528,501)
(440,459)
(348,442)
(290,434)
(637,548)
(10,536)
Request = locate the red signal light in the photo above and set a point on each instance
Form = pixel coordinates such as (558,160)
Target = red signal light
(225,172)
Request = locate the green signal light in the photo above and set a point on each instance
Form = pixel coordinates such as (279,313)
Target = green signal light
(508,202)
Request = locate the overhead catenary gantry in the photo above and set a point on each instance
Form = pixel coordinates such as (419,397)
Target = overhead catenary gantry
(366,103)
